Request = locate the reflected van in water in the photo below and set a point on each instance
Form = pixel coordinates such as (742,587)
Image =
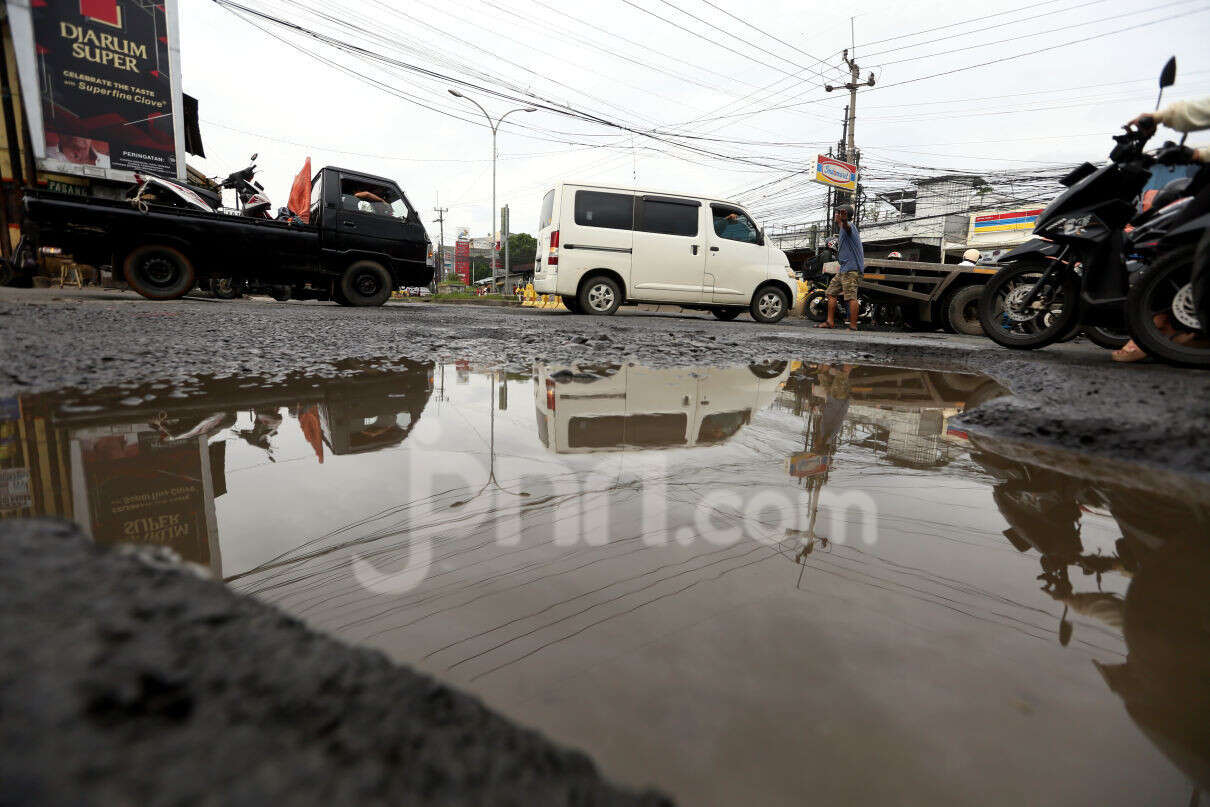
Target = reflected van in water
(770,583)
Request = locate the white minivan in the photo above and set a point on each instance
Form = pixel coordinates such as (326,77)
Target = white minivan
(600,247)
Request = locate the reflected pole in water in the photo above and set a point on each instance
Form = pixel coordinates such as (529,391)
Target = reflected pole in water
(491,453)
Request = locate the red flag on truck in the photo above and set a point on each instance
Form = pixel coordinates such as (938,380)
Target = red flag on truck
(300,193)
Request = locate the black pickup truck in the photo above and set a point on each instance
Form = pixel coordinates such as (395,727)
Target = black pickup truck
(364,239)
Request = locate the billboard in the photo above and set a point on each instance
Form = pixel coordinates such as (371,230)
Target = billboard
(830,171)
(104,74)
(462,260)
(137,488)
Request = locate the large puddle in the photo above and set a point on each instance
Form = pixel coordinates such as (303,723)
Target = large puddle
(769,584)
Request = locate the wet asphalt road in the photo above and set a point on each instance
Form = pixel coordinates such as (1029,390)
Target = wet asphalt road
(146,662)
(1069,395)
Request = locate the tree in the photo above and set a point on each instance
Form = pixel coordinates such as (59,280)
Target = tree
(521,251)
(481,268)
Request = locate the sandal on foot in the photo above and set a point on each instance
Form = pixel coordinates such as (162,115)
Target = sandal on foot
(1130,353)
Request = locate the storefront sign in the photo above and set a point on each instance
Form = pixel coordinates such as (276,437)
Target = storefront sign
(830,171)
(104,74)
(993,227)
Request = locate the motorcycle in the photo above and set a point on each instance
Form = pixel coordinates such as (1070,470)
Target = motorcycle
(1047,294)
(253,202)
(1160,308)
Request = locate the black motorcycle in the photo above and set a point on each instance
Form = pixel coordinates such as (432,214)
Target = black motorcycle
(1048,295)
(1161,311)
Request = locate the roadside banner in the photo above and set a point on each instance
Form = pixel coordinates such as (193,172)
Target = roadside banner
(101,86)
(838,174)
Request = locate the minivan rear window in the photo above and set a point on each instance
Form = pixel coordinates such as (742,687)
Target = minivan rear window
(611,431)
(612,210)
(669,218)
(548,209)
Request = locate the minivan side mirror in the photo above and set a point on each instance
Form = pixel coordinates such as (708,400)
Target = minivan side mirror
(1168,74)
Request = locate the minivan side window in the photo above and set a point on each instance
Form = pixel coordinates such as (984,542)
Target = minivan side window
(612,210)
(548,209)
(668,217)
(734,225)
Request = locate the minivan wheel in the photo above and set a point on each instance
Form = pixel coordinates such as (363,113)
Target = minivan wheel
(768,369)
(726,314)
(600,296)
(159,272)
(770,305)
(365,283)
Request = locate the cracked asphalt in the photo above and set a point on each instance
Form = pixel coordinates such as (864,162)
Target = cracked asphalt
(1069,395)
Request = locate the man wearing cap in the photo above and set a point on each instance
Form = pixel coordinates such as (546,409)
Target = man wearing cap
(851,255)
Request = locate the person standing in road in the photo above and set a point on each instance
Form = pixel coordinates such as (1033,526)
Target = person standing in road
(851,255)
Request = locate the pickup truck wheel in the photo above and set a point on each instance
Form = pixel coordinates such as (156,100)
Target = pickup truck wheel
(962,310)
(365,283)
(227,288)
(339,298)
(159,272)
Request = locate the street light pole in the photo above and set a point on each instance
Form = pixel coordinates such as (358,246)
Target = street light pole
(494,126)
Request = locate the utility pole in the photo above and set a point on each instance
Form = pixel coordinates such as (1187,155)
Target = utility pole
(505,227)
(441,211)
(850,129)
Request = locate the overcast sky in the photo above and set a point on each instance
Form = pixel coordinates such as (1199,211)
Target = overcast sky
(754,77)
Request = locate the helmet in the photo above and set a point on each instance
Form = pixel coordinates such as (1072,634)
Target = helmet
(895,256)
(972,255)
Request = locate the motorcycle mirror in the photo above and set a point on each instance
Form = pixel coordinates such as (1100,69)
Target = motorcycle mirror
(1167,79)
(1065,629)
(252,159)
(1168,74)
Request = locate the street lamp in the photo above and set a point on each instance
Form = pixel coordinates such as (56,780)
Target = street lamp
(495,126)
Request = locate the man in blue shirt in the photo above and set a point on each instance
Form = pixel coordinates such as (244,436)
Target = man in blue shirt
(851,255)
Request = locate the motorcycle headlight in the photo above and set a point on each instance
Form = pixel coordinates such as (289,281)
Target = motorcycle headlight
(1086,226)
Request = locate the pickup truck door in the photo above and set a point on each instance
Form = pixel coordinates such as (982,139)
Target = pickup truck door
(374,216)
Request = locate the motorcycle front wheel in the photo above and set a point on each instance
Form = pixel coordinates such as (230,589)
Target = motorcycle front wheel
(816,305)
(1164,290)
(1049,317)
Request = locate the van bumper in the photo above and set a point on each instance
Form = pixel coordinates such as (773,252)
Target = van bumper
(546,284)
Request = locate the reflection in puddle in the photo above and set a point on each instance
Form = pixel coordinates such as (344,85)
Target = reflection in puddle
(741,584)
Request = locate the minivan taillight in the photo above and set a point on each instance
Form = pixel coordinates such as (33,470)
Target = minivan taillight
(550,395)
(552,255)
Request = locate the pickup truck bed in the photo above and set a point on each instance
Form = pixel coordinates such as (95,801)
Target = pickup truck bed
(346,254)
